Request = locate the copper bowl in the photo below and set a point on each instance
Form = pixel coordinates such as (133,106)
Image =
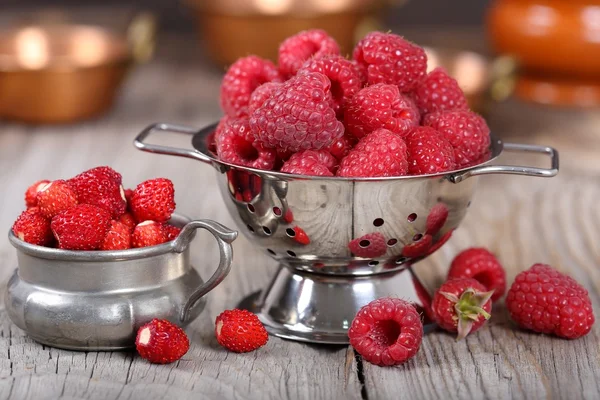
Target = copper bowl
(64,73)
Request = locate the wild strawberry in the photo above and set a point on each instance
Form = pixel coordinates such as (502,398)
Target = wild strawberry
(128,194)
(82,227)
(31,193)
(161,342)
(171,232)
(55,197)
(128,220)
(117,238)
(371,245)
(101,187)
(386,331)
(481,265)
(32,227)
(148,233)
(153,200)
(461,305)
(240,331)
(419,247)
(300,236)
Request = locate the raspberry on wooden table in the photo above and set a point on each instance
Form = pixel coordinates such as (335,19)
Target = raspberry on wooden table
(154,200)
(148,233)
(380,106)
(391,59)
(161,342)
(543,300)
(371,245)
(481,265)
(386,331)
(428,152)
(298,116)
(101,187)
(240,331)
(117,238)
(261,94)
(310,162)
(55,197)
(32,191)
(82,227)
(439,92)
(32,227)
(241,79)
(382,153)
(236,145)
(295,50)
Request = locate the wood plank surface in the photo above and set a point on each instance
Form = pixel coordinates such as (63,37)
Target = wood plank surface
(523,220)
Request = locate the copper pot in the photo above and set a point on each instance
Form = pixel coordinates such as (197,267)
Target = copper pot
(66,72)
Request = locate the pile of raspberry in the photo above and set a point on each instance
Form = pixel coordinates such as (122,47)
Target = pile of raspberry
(92,211)
(317,113)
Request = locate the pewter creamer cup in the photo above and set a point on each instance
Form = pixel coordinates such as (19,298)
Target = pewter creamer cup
(97,300)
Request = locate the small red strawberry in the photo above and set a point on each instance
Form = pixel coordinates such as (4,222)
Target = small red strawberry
(153,200)
(371,245)
(148,233)
(117,238)
(32,227)
(128,220)
(419,247)
(101,187)
(240,331)
(300,236)
(55,197)
(171,232)
(31,193)
(128,194)
(481,265)
(461,305)
(82,227)
(161,342)
(386,331)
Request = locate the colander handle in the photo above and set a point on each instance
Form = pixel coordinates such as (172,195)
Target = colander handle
(224,238)
(171,151)
(515,169)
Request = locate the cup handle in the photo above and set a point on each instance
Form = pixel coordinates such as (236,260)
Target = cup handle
(224,238)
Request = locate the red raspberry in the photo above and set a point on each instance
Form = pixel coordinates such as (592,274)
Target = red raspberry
(241,79)
(236,145)
(101,187)
(543,300)
(261,94)
(428,152)
(298,116)
(240,331)
(439,92)
(419,247)
(341,147)
(441,242)
(466,131)
(148,233)
(171,232)
(371,245)
(82,227)
(382,153)
(345,81)
(55,197)
(481,265)
(31,193)
(295,50)
(461,305)
(361,70)
(389,58)
(300,236)
(380,106)
(32,227)
(310,162)
(161,342)
(154,200)
(128,220)
(117,238)
(386,331)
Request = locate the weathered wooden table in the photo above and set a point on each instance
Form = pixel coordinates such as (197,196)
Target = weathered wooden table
(523,220)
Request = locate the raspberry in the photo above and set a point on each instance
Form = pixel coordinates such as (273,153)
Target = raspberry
(31,193)
(148,233)
(241,79)
(341,147)
(386,331)
(128,220)
(171,232)
(361,71)
(441,242)
(344,77)
(261,94)
(82,227)
(298,116)
(461,305)
(117,238)
(300,236)
(466,131)
(481,265)
(436,219)
(382,153)
(55,197)
(101,187)
(380,106)
(295,50)
(240,331)
(154,200)
(310,162)
(389,58)
(439,92)
(428,152)
(419,247)
(543,300)
(236,145)
(32,227)
(371,245)
(161,342)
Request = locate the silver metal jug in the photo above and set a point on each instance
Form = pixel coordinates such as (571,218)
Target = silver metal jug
(97,300)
